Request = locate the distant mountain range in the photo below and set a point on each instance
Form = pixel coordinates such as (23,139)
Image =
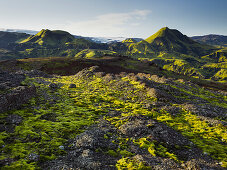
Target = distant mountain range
(11,37)
(165,40)
(94,39)
(19,31)
(212,39)
(167,48)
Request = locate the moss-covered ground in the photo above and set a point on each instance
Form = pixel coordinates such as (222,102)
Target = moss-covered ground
(57,115)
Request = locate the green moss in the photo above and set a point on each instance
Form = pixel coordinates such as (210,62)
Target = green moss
(217,100)
(92,53)
(112,153)
(126,153)
(127,163)
(155,149)
(105,136)
(21,164)
(46,126)
(42,134)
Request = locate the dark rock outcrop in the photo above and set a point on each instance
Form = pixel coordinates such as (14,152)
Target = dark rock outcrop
(16,97)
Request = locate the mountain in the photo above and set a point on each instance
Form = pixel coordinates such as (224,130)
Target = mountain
(60,39)
(169,40)
(168,48)
(94,39)
(172,40)
(10,37)
(173,51)
(53,43)
(51,38)
(132,40)
(212,39)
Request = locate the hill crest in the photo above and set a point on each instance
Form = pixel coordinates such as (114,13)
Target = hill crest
(172,40)
(48,37)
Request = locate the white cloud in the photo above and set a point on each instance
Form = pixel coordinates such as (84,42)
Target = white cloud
(111,24)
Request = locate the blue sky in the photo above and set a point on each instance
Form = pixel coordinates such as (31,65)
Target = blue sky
(127,18)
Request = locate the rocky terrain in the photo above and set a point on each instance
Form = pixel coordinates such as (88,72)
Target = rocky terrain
(95,119)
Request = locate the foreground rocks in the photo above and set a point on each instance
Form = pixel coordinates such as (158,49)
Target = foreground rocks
(115,135)
(89,150)
(12,92)
(16,98)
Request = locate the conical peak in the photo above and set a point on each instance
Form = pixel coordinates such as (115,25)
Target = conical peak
(161,33)
(43,32)
(165,28)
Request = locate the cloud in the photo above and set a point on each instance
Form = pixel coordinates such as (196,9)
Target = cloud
(111,24)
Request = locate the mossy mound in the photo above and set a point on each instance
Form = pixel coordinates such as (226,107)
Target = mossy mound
(92,53)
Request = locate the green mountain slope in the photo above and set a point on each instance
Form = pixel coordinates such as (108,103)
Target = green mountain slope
(130,40)
(218,40)
(93,53)
(10,37)
(172,40)
(48,43)
(173,51)
(52,38)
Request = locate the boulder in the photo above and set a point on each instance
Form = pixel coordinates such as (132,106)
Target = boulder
(16,97)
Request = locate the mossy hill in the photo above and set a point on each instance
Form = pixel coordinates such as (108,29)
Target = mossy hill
(93,53)
(171,40)
(48,43)
(51,38)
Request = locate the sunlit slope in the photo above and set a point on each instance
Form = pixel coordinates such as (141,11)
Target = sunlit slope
(47,37)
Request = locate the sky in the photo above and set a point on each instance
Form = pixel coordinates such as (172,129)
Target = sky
(116,18)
